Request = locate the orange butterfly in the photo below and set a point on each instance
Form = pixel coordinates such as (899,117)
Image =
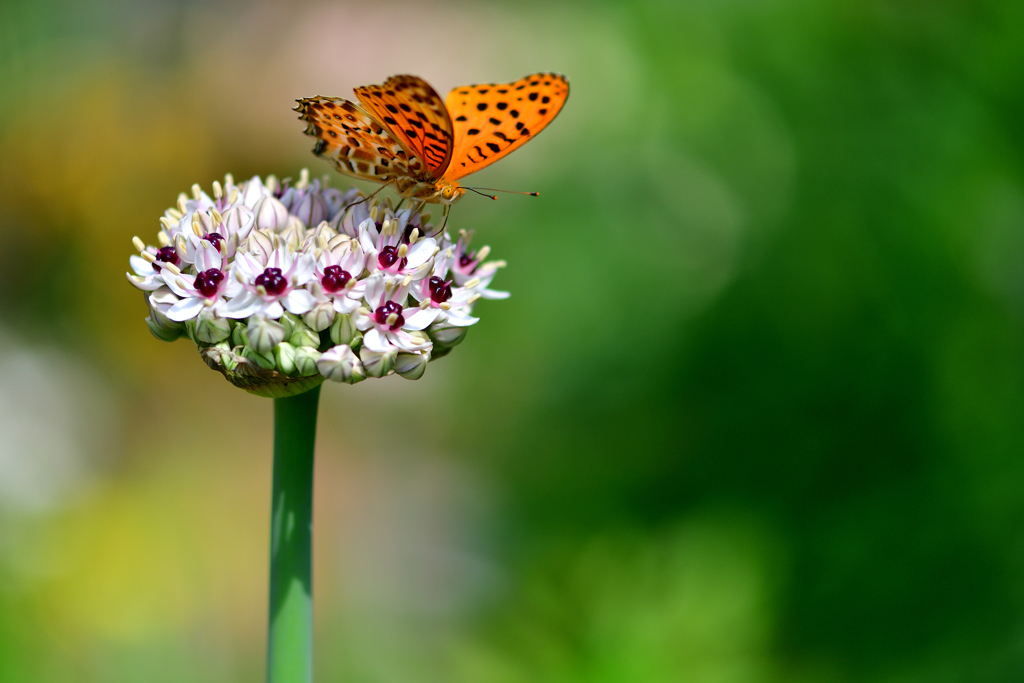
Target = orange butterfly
(405,135)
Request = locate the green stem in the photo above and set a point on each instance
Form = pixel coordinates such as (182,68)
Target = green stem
(290,629)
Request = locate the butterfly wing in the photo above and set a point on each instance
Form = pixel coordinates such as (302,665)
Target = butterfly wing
(492,121)
(415,114)
(355,142)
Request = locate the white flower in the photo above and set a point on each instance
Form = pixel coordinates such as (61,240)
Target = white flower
(384,325)
(439,301)
(470,264)
(150,265)
(204,289)
(269,287)
(394,251)
(336,271)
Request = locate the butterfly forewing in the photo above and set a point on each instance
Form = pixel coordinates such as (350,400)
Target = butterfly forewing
(355,142)
(415,114)
(492,121)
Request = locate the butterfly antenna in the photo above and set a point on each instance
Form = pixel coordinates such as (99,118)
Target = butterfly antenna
(491,189)
(489,196)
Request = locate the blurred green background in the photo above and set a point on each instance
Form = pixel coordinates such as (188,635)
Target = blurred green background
(754,412)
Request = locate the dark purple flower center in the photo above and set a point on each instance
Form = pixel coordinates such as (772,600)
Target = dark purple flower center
(382,313)
(215,238)
(272,281)
(465,260)
(335,278)
(388,257)
(440,290)
(166,255)
(208,281)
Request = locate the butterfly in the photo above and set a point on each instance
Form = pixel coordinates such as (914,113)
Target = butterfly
(405,135)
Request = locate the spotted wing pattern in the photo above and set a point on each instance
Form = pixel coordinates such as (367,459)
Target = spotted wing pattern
(492,121)
(356,143)
(414,114)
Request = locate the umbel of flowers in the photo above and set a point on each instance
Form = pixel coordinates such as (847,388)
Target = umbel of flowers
(282,285)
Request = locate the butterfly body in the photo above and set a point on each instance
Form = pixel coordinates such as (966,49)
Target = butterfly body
(404,135)
(431,192)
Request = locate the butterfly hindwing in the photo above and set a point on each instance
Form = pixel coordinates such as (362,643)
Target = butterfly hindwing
(354,141)
(415,114)
(492,121)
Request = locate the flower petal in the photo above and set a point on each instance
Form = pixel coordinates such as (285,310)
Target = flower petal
(299,301)
(186,309)
(242,306)
(375,340)
(421,318)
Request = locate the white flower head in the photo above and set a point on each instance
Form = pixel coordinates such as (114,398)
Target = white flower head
(284,284)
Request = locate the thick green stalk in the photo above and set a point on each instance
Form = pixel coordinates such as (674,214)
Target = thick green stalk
(290,629)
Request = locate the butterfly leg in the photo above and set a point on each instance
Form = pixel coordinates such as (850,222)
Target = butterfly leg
(447,208)
(375,193)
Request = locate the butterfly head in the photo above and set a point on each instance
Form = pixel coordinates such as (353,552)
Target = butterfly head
(448,191)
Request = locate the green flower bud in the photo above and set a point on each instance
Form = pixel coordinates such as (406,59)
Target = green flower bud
(376,363)
(264,334)
(238,335)
(284,357)
(162,327)
(340,364)
(445,334)
(211,329)
(303,336)
(264,360)
(288,323)
(411,365)
(306,358)
(320,317)
(343,330)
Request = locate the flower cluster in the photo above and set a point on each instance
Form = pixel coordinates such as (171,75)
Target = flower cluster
(283,285)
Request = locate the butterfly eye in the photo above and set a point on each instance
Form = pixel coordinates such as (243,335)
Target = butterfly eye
(447,192)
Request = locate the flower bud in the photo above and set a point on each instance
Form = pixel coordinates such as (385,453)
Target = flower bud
(294,233)
(323,231)
(320,316)
(264,360)
(340,364)
(163,328)
(270,214)
(211,329)
(306,359)
(411,365)
(334,199)
(303,336)
(255,190)
(343,330)
(239,220)
(288,323)
(446,334)
(260,245)
(284,358)
(310,208)
(238,335)
(378,363)
(264,333)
